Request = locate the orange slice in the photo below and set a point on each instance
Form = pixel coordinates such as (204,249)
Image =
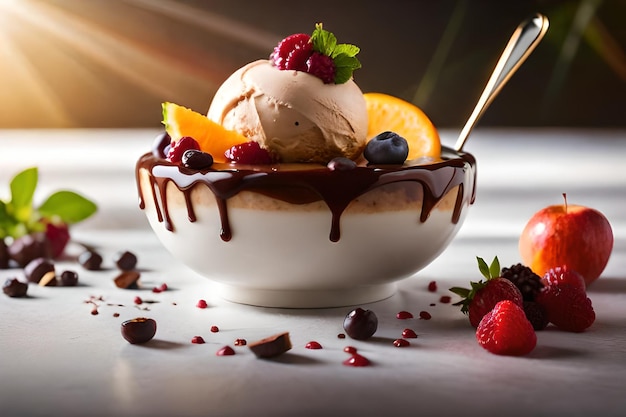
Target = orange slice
(387,112)
(213,138)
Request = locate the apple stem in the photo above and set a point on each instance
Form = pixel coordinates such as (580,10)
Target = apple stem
(565,199)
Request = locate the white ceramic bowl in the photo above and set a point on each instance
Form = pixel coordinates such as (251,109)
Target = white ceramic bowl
(280,237)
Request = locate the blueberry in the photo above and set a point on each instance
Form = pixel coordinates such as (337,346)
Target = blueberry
(196,159)
(360,324)
(161,142)
(387,148)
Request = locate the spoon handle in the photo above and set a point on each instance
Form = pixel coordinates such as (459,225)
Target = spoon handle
(522,43)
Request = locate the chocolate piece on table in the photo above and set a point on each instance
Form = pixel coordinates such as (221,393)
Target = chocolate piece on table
(69,278)
(90,260)
(13,287)
(139,330)
(125,261)
(127,280)
(28,247)
(271,346)
(37,268)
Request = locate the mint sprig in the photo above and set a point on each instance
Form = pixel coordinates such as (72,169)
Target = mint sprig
(18,215)
(343,54)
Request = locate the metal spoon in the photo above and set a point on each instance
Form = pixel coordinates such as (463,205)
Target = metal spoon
(523,41)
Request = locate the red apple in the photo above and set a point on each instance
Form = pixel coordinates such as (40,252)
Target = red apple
(577,236)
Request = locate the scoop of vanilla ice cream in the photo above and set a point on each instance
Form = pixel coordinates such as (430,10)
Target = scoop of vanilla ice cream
(292,113)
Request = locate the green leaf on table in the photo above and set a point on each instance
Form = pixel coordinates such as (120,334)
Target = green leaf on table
(67,206)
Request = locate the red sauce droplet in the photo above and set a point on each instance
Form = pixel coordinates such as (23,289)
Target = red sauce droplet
(313,345)
(409,334)
(341,336)
(432,286)
(401,343)
(201,304)
(240,342)
(356,360)
(425,315)
(445,299)
(404,315)
(138,300)
(215,329)
(350,349)
(198,340)
(225,351)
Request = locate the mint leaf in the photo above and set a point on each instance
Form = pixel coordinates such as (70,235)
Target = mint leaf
(343,54)
(68,206)
(345,49)
(23,187)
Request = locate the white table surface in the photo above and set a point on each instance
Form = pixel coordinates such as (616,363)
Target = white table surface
(58,359)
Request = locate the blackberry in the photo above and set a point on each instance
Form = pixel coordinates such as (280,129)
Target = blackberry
(536,315)
(524,279)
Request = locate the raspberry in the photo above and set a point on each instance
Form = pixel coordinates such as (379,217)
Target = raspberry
(59,235)
(506,331)
(524,279)
(564,275)
(289,44)
(182,145)
(249,153)
(567,306)
(296,60)
(322,66)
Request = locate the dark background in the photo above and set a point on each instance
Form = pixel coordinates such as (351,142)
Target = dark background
(110,63)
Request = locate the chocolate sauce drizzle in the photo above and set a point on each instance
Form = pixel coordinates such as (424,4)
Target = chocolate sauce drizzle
(336,188)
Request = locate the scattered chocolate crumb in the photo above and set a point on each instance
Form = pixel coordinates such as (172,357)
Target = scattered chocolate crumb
(240,342)
(90,260)
(432,286)
(125,260)
(215,329)
(271,346)
(28,247)
(37,268)
(341,336)
(116,314)
(127,280)
(13,287)
(69,278)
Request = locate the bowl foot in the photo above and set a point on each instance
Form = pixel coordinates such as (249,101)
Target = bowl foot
(338,297)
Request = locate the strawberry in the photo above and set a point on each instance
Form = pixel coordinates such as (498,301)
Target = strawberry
(567,305)
(564,275)
(506,331)
(482,297)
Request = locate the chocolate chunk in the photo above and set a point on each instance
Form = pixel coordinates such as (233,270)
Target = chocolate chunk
(28,247)
(4,255)
(13,287)
(37,268)
(271,346)
(90,260)
(126,261)
(139,330)
(127,280)
(69,278)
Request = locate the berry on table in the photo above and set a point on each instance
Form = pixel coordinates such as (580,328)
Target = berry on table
(506,331)
(386,148)
(360,324)
(482,296)
(566,303)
